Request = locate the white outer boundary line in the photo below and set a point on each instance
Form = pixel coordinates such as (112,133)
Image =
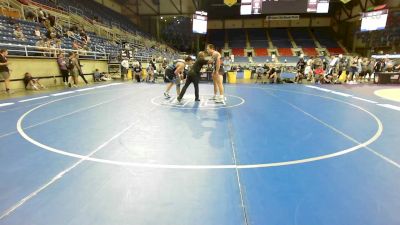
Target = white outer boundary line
(63,93)
(6,104)
(365,100)
(389,106)
(32,99)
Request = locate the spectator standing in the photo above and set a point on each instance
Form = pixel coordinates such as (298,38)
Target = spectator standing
(62,65)
(4,70)
(79,66)
(124,68)
(137,70)
(150,72)
(73,68)
(41,15)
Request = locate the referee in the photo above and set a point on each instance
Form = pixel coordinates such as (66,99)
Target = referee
(194,76)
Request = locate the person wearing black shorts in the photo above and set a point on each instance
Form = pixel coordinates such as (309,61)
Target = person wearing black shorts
(4,70)
(301,65)
(174,75)
(194,76)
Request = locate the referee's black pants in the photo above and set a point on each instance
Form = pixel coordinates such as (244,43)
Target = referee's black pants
(191,79)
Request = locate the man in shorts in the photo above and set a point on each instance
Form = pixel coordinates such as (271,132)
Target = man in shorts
(4,70)
(217,74)
(174,75)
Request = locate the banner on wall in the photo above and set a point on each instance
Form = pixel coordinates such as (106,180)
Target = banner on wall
(283,17)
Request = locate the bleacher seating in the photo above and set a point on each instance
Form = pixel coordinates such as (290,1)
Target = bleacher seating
(302,38)
(238,51)
(285,52)
(310,51)
(216,37)
(336,51)
(89,10)
(7,26)
(236,38)
(325,36)
(258,38)
(280,38)
(261,51)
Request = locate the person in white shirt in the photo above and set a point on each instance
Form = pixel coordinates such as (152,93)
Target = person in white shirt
(308,71)
(36,32)
(19,34)
(150,73)
(124,68)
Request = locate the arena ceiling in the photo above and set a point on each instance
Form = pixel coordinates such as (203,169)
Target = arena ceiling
(160,7)
(216,8)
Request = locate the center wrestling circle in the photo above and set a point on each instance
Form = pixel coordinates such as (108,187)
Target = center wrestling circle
(204,103)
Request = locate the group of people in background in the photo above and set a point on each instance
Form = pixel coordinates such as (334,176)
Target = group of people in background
(70,68)
(336,69)
(137,70)
(342,69)
(49,43)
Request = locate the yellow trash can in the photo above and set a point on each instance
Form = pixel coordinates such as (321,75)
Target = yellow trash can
(343,77)
(247,74)
(129,76)
(232,77)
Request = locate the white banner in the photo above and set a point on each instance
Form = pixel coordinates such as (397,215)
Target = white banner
(283,17)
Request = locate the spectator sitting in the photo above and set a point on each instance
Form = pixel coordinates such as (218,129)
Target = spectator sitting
(32,83)
(76,45)
(101,76)
(51,33)
(36,32)
(19,34)
(70,33)
(319,74)
(55,46)
(42,46)
(85,39)
(47,24)
(86,48)
(83,36)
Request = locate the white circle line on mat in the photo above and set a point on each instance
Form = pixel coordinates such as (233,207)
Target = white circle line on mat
(194,167)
